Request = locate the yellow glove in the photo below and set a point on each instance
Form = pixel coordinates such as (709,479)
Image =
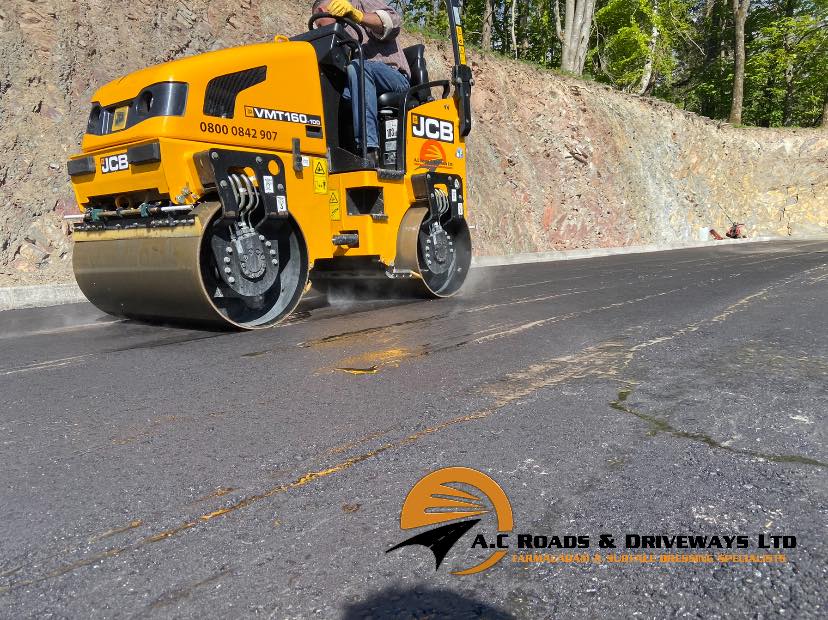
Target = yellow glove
(343,8)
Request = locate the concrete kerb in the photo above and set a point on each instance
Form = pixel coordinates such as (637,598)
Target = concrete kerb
(18,297)
(543,257)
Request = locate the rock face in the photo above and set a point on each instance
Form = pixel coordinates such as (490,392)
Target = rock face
(561,163)
(556,162)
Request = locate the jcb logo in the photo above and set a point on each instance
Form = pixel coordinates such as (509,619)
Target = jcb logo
(432,128)
(114,163)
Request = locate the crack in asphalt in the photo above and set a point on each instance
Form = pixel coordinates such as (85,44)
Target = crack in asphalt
(178,594)
(660,425)
(357,333)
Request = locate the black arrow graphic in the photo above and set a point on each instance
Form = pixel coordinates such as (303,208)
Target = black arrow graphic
(440,540)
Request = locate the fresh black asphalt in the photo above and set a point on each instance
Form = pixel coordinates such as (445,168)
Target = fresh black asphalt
(167,472)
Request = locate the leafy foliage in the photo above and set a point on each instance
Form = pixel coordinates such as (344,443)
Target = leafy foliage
(678,50)
(787,72)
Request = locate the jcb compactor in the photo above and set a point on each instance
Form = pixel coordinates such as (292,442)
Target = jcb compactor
(213,187)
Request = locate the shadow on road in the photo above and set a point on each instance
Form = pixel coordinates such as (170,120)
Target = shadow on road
(422,603)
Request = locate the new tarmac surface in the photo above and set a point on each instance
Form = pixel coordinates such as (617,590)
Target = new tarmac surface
(159,471)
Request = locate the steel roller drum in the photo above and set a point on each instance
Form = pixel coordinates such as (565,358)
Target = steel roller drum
(166,274)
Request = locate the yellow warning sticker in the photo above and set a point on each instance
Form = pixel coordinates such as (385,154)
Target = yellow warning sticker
(333,205)
(461,45)
(119,120)
(320,175)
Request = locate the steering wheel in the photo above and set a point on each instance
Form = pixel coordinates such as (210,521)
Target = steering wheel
(344,20)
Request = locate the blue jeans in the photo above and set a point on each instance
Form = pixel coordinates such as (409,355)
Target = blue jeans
(379,79)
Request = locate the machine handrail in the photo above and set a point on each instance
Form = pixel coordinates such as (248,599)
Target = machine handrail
(348,22)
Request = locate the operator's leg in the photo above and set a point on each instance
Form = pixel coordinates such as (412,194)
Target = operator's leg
(370,95)
(388,80)
(379,79)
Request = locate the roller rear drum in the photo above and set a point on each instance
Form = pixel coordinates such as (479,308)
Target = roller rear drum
(437,251)
(433,260)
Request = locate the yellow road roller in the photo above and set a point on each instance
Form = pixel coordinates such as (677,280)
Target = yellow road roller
(212,188)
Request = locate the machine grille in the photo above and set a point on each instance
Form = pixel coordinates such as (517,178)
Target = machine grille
(220,97)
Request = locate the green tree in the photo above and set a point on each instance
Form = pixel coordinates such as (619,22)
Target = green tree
(689,52)
(787,70)
(635,42)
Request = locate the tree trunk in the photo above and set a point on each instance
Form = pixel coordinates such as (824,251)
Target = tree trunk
(566,49)
(574,36)
(709,6)
(714,26)
(513,26)
(740,11)
(586,30)
(825,111)
(645,87)
(787,106)
(523,28)
(767,117)
(574,32)
(488,13)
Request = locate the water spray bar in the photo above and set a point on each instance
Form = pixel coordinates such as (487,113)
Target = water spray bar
(142,211)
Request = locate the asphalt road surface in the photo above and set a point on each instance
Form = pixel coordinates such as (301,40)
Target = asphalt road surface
(165,472)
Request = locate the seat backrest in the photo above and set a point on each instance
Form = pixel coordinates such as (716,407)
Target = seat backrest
(415,55)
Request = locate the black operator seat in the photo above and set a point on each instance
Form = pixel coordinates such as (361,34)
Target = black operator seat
(415,55)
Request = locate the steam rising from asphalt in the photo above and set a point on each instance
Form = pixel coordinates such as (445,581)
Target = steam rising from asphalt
(365,293)
(347,295)
(479,280)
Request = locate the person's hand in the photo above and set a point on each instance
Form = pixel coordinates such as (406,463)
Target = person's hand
(343,8)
